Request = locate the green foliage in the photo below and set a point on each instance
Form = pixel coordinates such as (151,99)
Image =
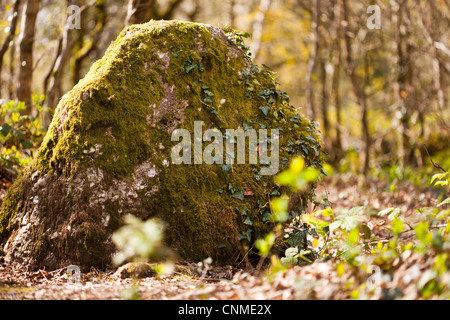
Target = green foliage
(137,240)
(346,237)
(297,176)
(20,134)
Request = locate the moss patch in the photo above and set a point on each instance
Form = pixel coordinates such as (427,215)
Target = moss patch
(107,151)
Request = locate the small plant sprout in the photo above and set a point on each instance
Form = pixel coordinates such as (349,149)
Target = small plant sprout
(137,240)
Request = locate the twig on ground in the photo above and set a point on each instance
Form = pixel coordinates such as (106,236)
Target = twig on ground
(435,164)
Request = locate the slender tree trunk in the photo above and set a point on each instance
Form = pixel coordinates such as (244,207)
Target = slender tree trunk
(258,25)
(168,13)
(404,88)
(324,106)
(54,82)
(311,109)
(437,64)
(195,11)
(139,11)
(84,47)
(26,42)
(360,94)
(232,13)
(12,73)
(9,38)
(335,88)
(335,85)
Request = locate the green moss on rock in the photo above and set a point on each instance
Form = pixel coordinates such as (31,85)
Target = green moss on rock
(107,151)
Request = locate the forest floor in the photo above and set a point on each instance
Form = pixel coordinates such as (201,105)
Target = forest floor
(189,281)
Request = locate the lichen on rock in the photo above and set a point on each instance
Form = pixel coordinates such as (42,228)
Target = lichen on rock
(108,151)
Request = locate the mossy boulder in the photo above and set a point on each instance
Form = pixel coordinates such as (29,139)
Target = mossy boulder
(108,152)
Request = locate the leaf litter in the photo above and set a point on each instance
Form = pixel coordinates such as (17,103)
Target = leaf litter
(320,280)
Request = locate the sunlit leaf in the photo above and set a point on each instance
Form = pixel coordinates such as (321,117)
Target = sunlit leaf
(446,201)
(397,226)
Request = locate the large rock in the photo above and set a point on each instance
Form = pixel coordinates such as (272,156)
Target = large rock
(108,151)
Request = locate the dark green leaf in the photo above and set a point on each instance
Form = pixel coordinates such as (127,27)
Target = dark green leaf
(4,129)
(275,193)
(190,67)
(265,109)
(248,221)
(27,144)
(225,168)
(238,195)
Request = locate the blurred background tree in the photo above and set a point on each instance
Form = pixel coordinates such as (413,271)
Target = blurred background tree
(379,95)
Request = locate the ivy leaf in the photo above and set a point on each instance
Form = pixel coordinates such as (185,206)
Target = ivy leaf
(209,93)
(247,221)
(275,193)
(265,109)
(266,215)
(27,144)
(190,67)
(246,126)
(258,176)
(4,129)
(225,168)
(289,260)
(297,239)
(238,195)
(19,134)
(291,252)
(245,235)
(201,67)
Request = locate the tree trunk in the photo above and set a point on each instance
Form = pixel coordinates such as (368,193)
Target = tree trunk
(258,25)
(26,42)
(9,38)
(335,87)
(359,92)
(311,109)
(195,11)
(324,106)
(12,78)
(84,47)
(55,80)
(404,88)
(139,11)
(232,13)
